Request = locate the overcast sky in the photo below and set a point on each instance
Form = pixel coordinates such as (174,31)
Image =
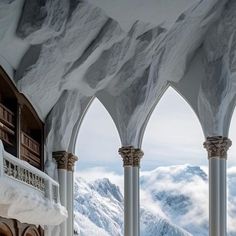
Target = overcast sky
(173,136)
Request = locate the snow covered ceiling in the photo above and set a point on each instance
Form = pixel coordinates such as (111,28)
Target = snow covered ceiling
(156,12)
(62,53)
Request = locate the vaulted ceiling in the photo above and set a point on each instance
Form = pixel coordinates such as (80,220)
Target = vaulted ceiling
(63,53)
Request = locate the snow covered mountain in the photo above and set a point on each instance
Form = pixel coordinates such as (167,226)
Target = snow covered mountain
(174,202)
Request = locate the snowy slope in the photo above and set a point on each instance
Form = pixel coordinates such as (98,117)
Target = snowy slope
(174,202)
(101,203)
(98,210)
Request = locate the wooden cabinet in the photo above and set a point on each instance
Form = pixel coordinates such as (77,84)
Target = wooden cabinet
(21,130)
(30,150)
(7,125)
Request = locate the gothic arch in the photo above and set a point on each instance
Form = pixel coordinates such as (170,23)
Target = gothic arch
(170,86)
(76,129)
(79,123)
(173,134)
(232,136)
(231,113)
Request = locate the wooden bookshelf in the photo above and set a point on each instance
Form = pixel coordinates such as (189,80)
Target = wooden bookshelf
(7,127)
(30,150)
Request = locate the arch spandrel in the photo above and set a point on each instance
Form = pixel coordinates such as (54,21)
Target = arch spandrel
(62,119)
(131,108)
(209,92)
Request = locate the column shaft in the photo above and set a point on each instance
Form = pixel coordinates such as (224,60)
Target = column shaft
(62,179)
(136,202)
(223,197)
(128,201)
(61,158)
(217,148)
(70,201)
(131,160)
(70,193)
(214,197)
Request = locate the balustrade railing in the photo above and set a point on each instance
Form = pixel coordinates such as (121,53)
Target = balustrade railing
(24,173)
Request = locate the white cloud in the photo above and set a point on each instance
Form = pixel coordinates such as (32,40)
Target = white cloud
(175,181)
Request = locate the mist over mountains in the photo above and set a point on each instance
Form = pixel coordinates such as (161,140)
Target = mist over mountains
(174,202)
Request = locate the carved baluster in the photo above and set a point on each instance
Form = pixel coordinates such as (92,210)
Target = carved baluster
(8,168)
(33,180)
(15,171)
(21,174)
(25,176)
(5,166)
(37,182)
(30,178)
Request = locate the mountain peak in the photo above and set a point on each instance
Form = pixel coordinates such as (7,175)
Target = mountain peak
(106,189)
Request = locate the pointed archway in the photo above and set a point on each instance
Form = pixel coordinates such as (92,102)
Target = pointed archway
(97,148)
(231,174)
(232,135)
(173,134)
(98,140)
(174,156)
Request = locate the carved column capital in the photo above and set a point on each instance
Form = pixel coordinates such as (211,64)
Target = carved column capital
(217,146)
(127,155)
(71,161)
(61,158)
(131,156)
(137,155)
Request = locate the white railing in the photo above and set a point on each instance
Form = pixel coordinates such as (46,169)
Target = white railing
(23,172)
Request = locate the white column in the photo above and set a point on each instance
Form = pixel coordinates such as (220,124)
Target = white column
(128,201)
(217,148)
(223,197)
(70,193)
(62,179)
(131,159)
(127,155)
(136,192)
(136,206)
(61,158)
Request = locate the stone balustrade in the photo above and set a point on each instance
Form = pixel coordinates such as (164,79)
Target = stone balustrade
(24,173)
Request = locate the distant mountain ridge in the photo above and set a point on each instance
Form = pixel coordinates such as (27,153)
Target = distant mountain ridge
(174,202)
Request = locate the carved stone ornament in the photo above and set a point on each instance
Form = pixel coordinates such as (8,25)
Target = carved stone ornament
(61,158)
(217,146)
(71,162)
(138,154)
(131,156)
